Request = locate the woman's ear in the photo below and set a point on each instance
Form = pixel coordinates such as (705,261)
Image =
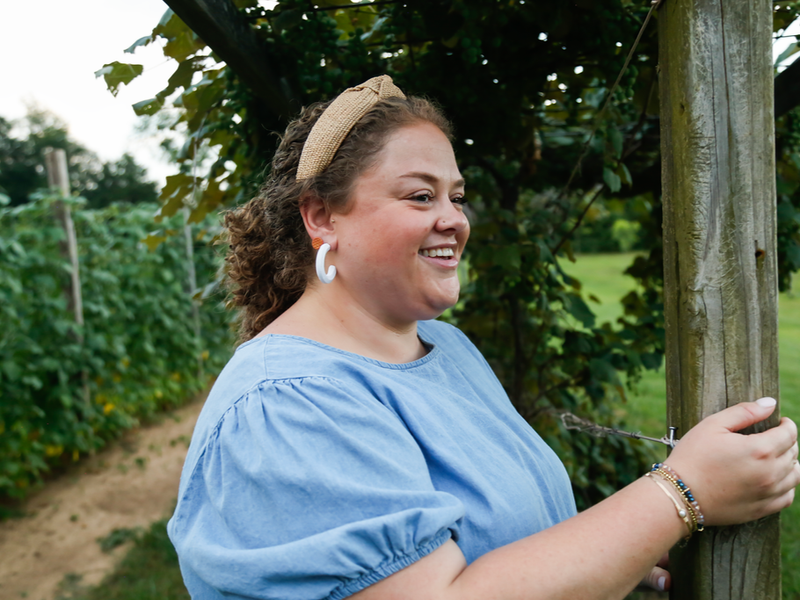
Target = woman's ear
(317,220)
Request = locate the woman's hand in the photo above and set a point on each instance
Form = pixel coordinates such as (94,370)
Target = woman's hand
(659,578)
(734,477)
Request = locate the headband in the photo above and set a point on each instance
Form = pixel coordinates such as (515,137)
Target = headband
(338,119)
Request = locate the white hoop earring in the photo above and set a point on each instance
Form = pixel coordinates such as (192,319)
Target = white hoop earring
(323,276)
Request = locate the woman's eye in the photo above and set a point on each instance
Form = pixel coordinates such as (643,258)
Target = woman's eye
(459,200)
(422,197)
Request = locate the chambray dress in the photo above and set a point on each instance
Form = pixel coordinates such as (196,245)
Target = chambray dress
(314,473)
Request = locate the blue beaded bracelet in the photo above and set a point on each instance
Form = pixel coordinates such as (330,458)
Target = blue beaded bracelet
(669,474)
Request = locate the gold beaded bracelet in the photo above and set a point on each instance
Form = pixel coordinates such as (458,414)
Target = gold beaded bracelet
(668,474)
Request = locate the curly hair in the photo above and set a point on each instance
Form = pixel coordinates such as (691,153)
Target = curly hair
(270,255)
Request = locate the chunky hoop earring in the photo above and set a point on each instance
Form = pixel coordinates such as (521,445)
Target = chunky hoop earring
(323,276)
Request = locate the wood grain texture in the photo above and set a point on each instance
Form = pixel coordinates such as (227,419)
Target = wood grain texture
(720,261)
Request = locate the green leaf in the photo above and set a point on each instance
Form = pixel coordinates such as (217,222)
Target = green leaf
(147,107)
(579,309)
(183,45)
(612,180)
(616,139)
(153,240)
(182,77)
(117,73)
(142,41)
(624,174)
(287,19)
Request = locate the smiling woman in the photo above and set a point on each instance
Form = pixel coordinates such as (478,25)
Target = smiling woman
(355,447)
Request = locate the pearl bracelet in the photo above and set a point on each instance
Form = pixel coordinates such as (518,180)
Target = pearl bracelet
(669,474)
(682,513)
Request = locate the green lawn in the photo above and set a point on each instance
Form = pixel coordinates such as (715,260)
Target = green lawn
(602,275)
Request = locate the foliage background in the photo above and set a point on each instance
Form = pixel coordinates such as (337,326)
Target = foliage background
(60,398)
(547,169)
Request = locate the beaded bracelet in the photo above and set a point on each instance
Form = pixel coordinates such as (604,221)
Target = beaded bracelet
(670,475)
(685,492)
(682,513)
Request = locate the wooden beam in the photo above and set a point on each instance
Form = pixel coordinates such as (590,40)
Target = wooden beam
(787,89)
(720,256)
(221,26)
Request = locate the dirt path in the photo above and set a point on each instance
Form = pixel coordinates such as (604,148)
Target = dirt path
(130,484)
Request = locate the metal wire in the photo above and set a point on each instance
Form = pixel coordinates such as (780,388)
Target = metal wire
(575,423)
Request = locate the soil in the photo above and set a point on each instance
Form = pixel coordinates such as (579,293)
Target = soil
(130,484)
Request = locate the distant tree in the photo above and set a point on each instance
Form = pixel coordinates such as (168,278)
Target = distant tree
(120,181)
(22,172)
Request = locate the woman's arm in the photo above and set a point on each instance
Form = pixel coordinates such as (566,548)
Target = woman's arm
(606,551)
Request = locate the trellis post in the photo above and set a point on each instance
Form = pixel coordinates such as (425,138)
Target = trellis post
(720,260)
(58,179)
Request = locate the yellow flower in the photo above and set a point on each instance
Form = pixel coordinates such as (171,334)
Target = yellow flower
(116,377)
(108,408)
(75,455)
(175,376)
(158,394)
(205,355)
(53,450)
(126,362)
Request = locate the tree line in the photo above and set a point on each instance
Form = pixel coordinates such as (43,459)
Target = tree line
(22,145)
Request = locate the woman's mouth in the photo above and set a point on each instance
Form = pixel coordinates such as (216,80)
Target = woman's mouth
(438,253)
(441,257)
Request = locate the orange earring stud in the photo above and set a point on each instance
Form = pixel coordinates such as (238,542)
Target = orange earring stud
(316,243)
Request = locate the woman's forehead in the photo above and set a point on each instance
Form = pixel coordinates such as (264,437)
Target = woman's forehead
(418,151)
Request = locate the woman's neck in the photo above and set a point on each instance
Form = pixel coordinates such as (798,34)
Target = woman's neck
(325,316)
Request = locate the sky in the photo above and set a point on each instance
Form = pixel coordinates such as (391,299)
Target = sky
(50,49)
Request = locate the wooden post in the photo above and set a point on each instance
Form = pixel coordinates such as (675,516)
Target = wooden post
(720,259)
(191,286)
(58,178)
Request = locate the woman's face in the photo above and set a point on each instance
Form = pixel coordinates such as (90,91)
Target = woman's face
(403,214)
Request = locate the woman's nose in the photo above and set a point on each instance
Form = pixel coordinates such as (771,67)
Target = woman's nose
(452,217)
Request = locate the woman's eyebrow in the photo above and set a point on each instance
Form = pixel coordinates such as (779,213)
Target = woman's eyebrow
(430,178)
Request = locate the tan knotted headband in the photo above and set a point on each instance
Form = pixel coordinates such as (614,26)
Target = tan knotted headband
(338,119)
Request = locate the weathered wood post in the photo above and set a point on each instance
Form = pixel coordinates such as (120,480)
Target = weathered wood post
(58,179)
(721,298)
(191,287)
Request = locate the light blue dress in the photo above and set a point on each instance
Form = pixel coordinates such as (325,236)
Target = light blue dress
(314,473)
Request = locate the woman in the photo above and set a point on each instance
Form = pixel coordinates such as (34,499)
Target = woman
(354,448)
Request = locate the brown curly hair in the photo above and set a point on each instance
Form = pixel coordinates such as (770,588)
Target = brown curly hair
(270,255)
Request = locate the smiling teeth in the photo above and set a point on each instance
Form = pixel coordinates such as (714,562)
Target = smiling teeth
(438,252)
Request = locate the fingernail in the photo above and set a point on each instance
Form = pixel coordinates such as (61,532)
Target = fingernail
(767,402)
(661,582)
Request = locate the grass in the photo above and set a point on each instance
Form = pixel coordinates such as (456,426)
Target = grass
(149,571)
(602,275)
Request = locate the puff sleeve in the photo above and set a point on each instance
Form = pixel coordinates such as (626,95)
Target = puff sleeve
(306,490)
